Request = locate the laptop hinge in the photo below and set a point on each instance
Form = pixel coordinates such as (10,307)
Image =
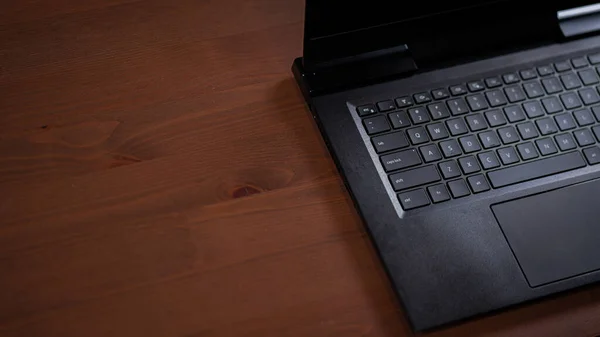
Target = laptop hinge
(580,21)
(484,36)
(355,71)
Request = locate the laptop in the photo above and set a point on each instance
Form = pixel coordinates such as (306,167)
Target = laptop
(468,135)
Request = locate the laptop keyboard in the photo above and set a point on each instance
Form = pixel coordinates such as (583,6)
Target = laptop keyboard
(471,138)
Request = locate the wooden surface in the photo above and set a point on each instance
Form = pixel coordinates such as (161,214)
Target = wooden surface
(160,176)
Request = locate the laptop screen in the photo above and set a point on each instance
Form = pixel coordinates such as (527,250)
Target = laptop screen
(331,17)
(335,29)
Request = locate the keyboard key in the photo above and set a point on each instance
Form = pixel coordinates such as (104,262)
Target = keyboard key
(546,146)
(366,110)
(404,102)
(545,70)
(423,97)
(440,93)
(510,78)
(552,85)
(584,137)
(495,98)
(438,111)
(386,106)
(594,58)
(457,126)
(457,90)
(469,165)
(476,122)
(596,130)
(493,82)
(458,188)
(562,66)
(413,199)
(391,141)
(570,81)
(533,109)
(450,148)
(477,102)
(579,62)
(508,135)
(475,86)
(400,160)
(488,160)
(536,169)
(533,89)
(469,144)
(589,96)
(437,131)
(430,153)
(489,139)
(592,155)
(570,100)
(546,126)
(583,117)
(449,169)
(589,77)
(495,118)
(527,74)
(527,130)
(377,124)
(527,151)
(487,109)
(515,113)
(514,94)
(438,193)
(565,142)
(478,183)
(458,106)
(417,135)
(418,115)
(399,119)
(565,122)
(552,105)
(508,155)
(414,177)
(596,111)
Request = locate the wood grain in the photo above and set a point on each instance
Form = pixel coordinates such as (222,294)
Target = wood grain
(160,176)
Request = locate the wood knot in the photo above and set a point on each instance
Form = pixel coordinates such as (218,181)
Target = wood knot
(122,160)
(244,191)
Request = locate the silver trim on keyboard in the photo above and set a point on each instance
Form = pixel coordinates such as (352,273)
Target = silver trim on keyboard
(375,158)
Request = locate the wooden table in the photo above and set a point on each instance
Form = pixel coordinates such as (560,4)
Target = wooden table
(160,176)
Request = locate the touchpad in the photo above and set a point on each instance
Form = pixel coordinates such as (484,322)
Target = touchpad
(554,235)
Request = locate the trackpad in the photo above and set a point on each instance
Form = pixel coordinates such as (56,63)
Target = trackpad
(554,235)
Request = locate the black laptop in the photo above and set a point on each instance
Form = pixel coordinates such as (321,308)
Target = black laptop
(468,134)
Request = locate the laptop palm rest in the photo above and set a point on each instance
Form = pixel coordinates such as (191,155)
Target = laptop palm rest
(554,235)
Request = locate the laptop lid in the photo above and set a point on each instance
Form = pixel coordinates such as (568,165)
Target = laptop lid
(338,30)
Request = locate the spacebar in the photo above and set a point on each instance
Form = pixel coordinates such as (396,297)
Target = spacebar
(536,169)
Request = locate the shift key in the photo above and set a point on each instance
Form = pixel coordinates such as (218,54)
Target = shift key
(415,177)
(400,160)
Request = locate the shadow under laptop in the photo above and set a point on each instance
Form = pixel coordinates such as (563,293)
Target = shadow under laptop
(373,302)
(572,314)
